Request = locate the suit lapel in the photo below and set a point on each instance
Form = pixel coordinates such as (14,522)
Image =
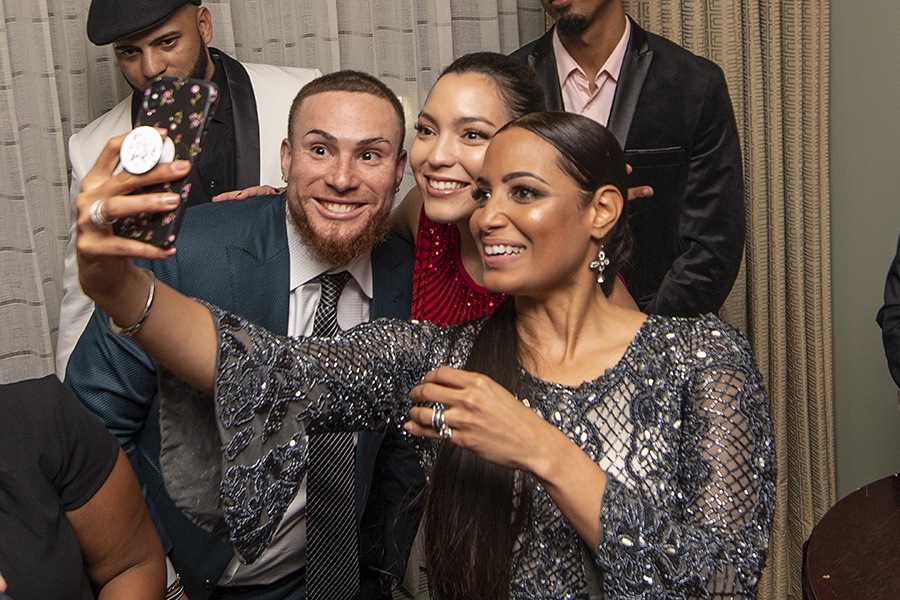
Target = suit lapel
(543,61)
(246,121)
(391,279)
(635,66)
(391,297)
(260,269)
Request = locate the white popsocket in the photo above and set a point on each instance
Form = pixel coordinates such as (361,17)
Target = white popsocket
(143,149)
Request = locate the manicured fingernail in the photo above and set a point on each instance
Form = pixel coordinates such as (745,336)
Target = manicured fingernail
(181,165)
(171,199)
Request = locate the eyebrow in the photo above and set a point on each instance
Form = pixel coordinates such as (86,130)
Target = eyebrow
(155,40)
(516,174)
(460,120)
(372,141)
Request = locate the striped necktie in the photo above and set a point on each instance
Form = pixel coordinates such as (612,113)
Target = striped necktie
(332,545)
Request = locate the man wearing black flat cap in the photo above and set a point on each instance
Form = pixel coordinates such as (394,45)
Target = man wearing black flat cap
(170,37)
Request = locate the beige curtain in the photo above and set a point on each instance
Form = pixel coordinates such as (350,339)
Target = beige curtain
(775,57)
(54,82)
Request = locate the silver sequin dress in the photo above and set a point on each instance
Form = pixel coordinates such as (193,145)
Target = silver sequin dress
(680,424)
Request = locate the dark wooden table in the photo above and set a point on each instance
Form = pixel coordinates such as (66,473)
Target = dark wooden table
(854,551)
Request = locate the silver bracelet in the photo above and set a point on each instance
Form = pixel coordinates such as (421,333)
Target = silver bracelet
(133,329)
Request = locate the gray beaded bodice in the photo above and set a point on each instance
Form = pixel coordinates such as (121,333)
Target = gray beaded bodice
(680,424)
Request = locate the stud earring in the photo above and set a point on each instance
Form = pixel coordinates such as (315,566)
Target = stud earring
(600,264)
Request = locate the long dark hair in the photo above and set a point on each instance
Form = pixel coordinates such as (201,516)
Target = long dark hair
(517,83)
(476,509)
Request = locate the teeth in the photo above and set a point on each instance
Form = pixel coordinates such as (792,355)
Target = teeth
(445,185)
(502,249)
(338,207)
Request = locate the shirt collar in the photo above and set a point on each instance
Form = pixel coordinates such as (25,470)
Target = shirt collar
(305,266)
(566,65)
(222,113)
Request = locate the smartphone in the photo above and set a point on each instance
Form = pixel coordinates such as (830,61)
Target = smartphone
(184,107)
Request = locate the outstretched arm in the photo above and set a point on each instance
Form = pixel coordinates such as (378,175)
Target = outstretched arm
(178,331)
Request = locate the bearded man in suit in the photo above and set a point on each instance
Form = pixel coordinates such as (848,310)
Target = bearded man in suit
(263,258)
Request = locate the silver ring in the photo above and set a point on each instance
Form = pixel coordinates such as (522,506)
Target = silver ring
(96,214)
(437,417)
(445,432)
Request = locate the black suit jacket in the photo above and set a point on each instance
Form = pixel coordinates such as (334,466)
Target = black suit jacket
(889,317)
(235,255)
(673,116)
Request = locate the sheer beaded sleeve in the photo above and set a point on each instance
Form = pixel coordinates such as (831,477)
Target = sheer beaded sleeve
(680,425)
(269,392)
(710,541)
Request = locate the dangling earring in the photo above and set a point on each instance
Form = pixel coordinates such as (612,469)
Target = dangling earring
(600,264)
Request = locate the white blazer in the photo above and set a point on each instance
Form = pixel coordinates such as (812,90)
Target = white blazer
(274,89)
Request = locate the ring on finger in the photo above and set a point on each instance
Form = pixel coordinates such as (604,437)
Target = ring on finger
(445,432)
(96,214)
(437,416)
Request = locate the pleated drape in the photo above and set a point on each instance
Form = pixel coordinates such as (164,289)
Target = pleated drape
(775,57)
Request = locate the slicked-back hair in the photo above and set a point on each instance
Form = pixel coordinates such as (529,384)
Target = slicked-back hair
(591,155)
(517,83)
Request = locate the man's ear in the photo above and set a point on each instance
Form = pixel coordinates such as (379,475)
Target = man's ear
(605,210)
(401,165)
(204,24)
(285,159)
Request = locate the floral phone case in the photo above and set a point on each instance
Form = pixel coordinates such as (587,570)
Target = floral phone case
(183,106)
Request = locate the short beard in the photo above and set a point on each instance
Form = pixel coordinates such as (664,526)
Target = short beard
(571,25)
(340,252)
(201,64)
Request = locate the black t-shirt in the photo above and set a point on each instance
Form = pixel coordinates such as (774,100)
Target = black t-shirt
(54,456)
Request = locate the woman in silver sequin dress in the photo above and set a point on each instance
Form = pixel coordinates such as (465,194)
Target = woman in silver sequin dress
(576,449)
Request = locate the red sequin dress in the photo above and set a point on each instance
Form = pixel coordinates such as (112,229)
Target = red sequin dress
(443,292)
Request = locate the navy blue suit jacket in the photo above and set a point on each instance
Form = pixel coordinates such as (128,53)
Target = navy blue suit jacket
(235,255)
(673,117)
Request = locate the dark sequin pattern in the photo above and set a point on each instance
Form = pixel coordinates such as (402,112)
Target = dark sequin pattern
(680,425)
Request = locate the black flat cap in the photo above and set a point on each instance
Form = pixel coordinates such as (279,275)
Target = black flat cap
(111,20)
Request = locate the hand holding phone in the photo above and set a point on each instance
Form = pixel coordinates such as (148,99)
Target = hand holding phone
(183,107)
